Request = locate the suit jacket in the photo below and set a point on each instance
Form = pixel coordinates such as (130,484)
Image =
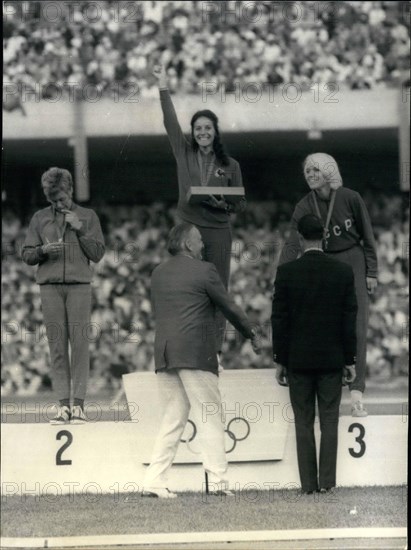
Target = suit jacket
(314,313)
(185,293)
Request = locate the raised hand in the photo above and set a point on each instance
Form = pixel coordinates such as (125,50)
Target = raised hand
(159,73)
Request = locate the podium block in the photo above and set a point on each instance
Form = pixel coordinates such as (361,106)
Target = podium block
(253,408)
(111,457)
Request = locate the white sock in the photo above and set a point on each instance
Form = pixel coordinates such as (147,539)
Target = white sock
(356,395)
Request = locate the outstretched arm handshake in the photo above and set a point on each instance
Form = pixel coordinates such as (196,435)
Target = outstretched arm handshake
(255,342)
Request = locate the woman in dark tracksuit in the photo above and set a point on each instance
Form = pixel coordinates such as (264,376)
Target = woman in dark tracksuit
(203,162)
(348,237)
(62,240)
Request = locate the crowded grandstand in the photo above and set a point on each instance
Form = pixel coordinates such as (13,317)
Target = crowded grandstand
(359,45)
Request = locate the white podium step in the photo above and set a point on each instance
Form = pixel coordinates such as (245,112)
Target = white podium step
(110,457)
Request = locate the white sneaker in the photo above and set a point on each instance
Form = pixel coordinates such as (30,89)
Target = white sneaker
(62,416)
(156,492)
(358,410)
(77,415)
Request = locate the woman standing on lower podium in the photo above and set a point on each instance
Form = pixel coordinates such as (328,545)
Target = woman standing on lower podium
(203,162)
(349,238)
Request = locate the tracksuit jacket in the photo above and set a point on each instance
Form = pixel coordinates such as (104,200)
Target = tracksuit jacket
(81,247)
(350,225)
(189,173)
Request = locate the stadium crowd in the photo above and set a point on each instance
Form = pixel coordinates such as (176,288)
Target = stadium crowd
(112,45)
(121,333)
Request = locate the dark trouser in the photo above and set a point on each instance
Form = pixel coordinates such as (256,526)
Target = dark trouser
(356,259)
(66,313)
(305,387)
(217,250)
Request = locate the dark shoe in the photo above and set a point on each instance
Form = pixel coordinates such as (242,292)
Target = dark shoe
(324,490)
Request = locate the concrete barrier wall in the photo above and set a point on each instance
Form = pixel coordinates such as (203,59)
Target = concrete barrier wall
(249,109)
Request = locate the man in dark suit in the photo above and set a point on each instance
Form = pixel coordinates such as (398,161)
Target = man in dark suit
(314,342)
(185,293)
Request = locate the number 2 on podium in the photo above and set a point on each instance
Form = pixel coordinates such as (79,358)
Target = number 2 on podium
(69,440)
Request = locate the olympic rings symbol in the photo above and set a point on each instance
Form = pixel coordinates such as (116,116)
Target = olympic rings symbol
(193,435)
(233,437)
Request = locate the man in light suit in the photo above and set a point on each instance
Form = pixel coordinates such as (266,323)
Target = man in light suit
(185,293)
(314,342)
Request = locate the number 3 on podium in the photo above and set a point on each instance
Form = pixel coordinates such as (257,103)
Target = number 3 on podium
(359,439)
(69,440)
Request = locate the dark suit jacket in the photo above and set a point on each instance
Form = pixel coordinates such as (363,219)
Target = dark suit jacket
(314,313)
(184,294)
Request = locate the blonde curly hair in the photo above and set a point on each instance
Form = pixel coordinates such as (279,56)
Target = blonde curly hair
(328,167)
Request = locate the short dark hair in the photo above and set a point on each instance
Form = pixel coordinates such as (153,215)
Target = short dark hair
(311,228)
(177,236)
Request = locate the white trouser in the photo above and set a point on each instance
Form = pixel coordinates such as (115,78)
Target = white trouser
(182,391)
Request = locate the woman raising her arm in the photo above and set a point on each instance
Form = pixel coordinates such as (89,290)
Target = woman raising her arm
(203,161)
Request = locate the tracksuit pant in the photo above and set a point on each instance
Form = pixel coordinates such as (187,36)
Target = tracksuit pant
(356,259)
(184,391)
(217,250)
(305,388)
(66,313)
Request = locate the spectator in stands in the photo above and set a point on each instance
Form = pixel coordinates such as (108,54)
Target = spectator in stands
(348,236)
(62,239)
(10,230)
